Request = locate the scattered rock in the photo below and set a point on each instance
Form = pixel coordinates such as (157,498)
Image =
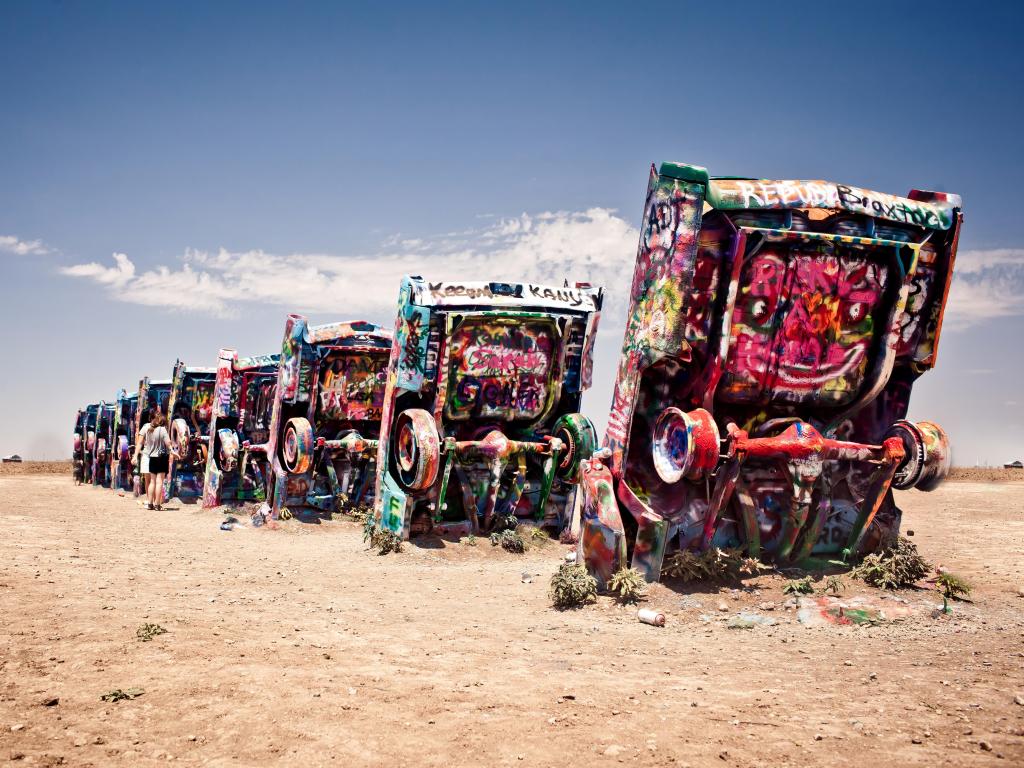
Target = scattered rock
(847,663)
(51,702)
(985,746)
(1019,700)
(723,606)
(17,727)
(766,606)
(613,750)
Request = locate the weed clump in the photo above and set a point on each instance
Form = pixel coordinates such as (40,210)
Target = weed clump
(349,510)
(572,586)
(538,535)
(567,536)
(898,565)
(713,564)
(629,584)
(384,540)
(147,632)
(505,523)
(118,695)
(835,585)
(798,587)
(952,588)
(509,540)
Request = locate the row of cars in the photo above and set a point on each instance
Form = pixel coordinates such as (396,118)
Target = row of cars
(774,332)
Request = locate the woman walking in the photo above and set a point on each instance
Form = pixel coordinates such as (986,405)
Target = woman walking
(158,446)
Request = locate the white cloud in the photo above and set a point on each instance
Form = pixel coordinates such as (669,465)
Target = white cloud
(117,276)
(594,245)
(12,244)
(987,284)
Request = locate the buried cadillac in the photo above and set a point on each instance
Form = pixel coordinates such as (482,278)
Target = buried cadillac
(774,334)
(84,447)
(326,415)
(237,465)
(481,416)
(190,407)
(101,469)
(123,439)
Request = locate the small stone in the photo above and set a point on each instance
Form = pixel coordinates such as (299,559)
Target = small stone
(985,746)
(191,737)
(910,532)
(723,606)
(766,606)
(847,663)
(915,740)
(818,737)
(51,702)
(873,676)
(613,750)
(99,740)
(17,727)
(1019,700)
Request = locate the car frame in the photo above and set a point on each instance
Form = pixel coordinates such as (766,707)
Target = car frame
(154,395)
(774,334)
(237,464)
(481,415)
(123,440)
(325,422)
(189,413)
(84,440)
(101,475)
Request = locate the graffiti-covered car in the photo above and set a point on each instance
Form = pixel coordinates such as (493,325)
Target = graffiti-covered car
(84,444)
(326,415)
(238,465)
(155,395)
(481,416)
(774,334)
(104,445)
(123,439)
(190,408)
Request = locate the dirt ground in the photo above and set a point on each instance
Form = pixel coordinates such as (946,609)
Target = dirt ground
(297,646)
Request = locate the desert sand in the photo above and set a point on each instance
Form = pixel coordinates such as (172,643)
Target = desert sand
(298,646)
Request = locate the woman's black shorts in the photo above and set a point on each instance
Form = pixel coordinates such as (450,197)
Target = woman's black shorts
(158,465)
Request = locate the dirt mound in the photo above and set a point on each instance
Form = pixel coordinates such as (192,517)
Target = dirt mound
(36,468)
(985,475)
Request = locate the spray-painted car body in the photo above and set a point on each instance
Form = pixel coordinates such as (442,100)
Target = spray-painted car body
(123,439)
(481,412)
(326,415)
(238,465)
(104,445)
(84,445)
(774,333)
(154,395)
(190,409)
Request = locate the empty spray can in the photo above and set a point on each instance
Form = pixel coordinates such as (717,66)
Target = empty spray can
(651,616)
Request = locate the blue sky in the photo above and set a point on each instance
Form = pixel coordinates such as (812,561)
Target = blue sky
(248,159)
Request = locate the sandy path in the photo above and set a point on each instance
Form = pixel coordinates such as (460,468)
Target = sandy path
(299,647)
